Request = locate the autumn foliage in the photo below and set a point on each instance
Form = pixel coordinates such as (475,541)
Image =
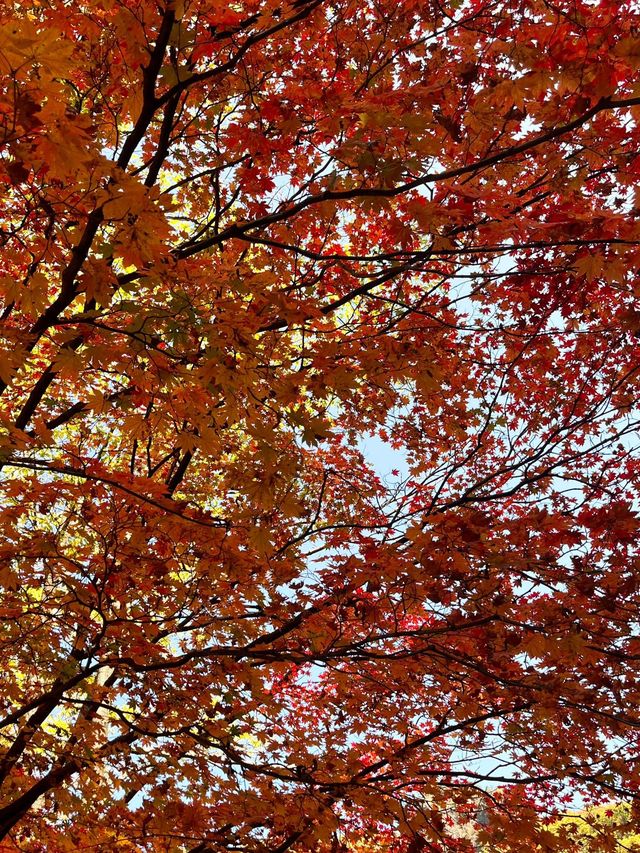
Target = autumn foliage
(318,428)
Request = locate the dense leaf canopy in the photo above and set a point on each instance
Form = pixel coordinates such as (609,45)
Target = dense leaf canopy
(242,244)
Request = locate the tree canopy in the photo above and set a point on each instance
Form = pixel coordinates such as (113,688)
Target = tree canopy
(240,243)
(604,826)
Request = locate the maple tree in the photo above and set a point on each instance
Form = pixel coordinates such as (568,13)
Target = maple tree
(237,240)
